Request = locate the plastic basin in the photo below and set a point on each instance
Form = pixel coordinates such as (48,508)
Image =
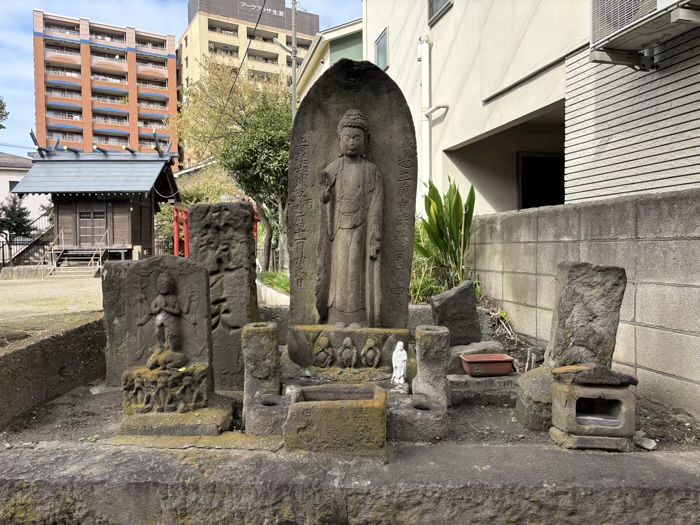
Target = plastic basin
(487,365)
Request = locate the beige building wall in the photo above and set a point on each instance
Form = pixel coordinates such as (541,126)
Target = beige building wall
(495,63)
(8,178)
(229,40)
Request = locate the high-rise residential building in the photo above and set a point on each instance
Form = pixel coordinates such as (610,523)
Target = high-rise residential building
(103,85)
(225,28)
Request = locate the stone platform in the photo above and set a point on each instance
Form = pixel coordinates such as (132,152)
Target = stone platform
(209,421)
(108,483)
(469,390)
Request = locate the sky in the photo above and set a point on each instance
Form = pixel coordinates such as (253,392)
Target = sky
(157,16)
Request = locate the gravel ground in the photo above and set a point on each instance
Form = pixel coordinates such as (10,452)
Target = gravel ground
(93,412)
(27,304)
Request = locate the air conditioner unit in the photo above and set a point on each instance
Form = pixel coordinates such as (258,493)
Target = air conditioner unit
(623,31)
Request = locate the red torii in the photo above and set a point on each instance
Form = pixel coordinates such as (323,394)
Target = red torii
(180,212)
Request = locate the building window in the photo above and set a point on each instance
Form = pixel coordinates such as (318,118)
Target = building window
(381,50)
(437,8)
(187,62)
(13,183)
(186,41)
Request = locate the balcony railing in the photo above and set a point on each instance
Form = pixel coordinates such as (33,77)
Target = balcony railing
(151,124)
(107,57)
(155,85)
(155,105)
(114,141)
(64,94)
(62,50)
(108,38)
(223,31)
(151,64)
(261,39)
(223,52)
(148,45)
(62,72)
(110,100)
(64,115)
(262,59)
(151,143)
(108,78)
(108,120)
(70,137)
(64,30)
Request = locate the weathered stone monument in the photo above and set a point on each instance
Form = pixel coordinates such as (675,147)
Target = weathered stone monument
(159,303)
(587,314)
(352,187)
(584,327)
(165,350)
(456,310)
(221,238)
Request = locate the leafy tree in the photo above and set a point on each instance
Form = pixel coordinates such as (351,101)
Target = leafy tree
(3,113)
(244,123)
(15,220)
(209,186)
(257,158)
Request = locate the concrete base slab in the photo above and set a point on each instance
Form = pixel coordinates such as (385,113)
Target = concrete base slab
(97,483)
(469,390)
(615,444)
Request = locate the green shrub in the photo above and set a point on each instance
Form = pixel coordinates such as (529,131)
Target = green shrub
(277,280)
(447,228)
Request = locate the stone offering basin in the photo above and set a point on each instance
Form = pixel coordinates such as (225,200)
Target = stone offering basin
(338,419)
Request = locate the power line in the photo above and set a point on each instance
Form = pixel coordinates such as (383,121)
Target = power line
(16,146)
(245,55)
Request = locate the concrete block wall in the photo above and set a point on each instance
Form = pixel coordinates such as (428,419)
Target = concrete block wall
(656,238)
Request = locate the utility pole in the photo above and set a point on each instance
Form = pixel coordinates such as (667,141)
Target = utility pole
(294,59)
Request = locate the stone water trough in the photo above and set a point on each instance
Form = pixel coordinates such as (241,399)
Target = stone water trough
(338,418)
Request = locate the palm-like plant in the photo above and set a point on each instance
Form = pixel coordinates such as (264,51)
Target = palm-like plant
(448,227)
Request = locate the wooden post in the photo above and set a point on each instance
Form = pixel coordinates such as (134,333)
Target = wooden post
(186,227)
(176,233)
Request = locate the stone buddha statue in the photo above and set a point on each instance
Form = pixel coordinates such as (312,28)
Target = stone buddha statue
(348,287)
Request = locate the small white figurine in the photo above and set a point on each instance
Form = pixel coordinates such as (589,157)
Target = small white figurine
(398,360)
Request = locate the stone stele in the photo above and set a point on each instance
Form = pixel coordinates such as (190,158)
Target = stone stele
(586,314)
(221,238)
(351,215)
(130,293)
(456,309)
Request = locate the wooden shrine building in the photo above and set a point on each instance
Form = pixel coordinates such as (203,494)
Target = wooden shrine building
(103,201)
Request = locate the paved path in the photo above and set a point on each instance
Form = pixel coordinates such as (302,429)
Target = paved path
(30,304)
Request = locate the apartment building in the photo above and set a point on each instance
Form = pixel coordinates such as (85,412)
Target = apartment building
(103,85)
(224,29)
